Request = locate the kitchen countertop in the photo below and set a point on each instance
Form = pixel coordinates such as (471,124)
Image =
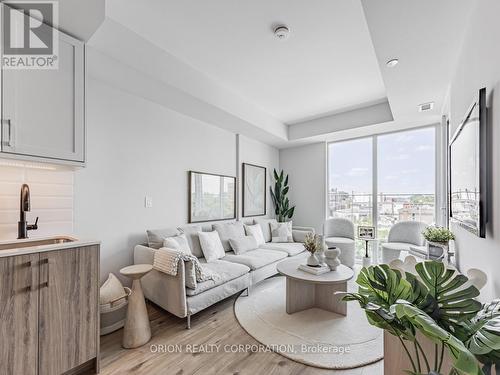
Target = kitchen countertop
(20,249)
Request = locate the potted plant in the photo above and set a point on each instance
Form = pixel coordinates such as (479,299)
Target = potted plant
(312,244)
(441,304)
(281,202)
(438,239)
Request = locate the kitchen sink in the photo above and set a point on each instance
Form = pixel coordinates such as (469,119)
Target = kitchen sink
(35,242)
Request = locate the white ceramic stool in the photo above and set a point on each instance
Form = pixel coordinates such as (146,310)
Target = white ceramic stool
(137,330)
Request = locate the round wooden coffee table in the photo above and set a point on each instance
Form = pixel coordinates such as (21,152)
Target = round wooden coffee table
(305,290)
(137,330)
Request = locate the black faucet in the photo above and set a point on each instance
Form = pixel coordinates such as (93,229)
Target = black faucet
(25,206)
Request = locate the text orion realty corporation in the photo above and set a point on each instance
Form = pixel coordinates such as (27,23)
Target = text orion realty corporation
(29,34)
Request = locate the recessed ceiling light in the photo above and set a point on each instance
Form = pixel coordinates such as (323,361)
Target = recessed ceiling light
(392,63)
(282,32)
(425,107)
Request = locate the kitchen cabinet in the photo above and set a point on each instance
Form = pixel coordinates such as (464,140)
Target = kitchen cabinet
(43,110)
(49,318)
(19,315)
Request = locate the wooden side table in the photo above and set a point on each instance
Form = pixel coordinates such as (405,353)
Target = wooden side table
(137,330)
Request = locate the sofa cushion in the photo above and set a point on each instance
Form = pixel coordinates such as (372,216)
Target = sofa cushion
(229,230)
(291,248)
(265,224)
(156,236)
(398,246)
(256,259)
(211,246)
(338,240)
(191,232)
(226,271)
(255,231)
(241,245)
(281,232)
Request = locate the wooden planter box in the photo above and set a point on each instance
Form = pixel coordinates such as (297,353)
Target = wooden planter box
(396,360)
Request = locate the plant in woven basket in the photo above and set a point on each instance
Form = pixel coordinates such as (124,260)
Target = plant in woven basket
(438,234)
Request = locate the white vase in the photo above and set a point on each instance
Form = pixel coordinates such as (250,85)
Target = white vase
(320,255)
(332,258)
(367,261)
(312,261)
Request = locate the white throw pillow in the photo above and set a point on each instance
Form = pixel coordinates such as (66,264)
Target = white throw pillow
(241,245)
(179,243)
(281,232)
(255,231)
(211,246)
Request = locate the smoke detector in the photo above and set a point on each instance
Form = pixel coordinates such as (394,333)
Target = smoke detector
(425,107)
(282,32)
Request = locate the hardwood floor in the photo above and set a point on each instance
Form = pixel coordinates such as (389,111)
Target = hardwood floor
(216,325)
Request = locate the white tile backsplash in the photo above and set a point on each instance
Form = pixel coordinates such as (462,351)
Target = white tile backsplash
(51,200)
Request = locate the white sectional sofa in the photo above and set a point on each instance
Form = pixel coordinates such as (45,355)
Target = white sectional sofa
(235,272)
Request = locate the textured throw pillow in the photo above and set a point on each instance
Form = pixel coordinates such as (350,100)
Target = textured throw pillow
(241,245)
(255,231)
(178,243)
(211,246)
(281,232)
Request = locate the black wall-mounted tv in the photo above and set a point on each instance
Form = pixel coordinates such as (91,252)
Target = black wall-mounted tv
(468,169)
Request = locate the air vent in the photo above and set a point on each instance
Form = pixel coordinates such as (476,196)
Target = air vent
(425,107)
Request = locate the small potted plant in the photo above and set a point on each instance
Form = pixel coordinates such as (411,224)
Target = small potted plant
(312,244)
(438,239)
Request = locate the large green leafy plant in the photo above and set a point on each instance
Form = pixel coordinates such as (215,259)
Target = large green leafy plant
(281,202)
(439,303)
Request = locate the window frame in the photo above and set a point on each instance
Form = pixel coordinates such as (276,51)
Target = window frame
(374,137)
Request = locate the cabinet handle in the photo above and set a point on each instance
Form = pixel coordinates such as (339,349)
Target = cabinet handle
(29,264)
(46,261)
(8,142)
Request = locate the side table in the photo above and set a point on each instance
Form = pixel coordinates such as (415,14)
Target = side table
(367,260)
(137,329)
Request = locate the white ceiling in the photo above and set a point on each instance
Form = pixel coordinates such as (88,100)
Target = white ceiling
(326,65)
(426,36)
(329,78)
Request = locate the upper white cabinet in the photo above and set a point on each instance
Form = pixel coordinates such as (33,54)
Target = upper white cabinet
(43,111)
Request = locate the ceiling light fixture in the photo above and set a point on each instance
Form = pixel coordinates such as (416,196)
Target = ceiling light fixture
(392,63)
(282,32)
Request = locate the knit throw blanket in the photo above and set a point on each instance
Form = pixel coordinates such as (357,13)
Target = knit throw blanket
(167,260)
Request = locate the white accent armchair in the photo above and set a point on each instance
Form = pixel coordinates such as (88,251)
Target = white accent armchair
(402,237)
(339,233)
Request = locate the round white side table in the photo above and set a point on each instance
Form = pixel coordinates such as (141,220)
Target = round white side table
(137,330)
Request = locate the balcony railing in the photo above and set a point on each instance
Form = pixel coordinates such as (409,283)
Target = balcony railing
(392,208)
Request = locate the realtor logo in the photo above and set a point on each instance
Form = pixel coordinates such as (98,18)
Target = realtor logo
(29,40)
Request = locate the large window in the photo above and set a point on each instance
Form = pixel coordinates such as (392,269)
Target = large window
(397,171)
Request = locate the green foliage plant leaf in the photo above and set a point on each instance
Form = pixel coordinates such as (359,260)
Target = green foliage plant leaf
(453,296)
(484,339)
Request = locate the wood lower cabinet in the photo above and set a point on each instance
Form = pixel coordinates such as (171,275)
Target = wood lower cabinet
(49,318)
(19,315)
(68,309)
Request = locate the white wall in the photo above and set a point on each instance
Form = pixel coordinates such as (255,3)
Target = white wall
(479,66)
(137,148)
(306,166)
